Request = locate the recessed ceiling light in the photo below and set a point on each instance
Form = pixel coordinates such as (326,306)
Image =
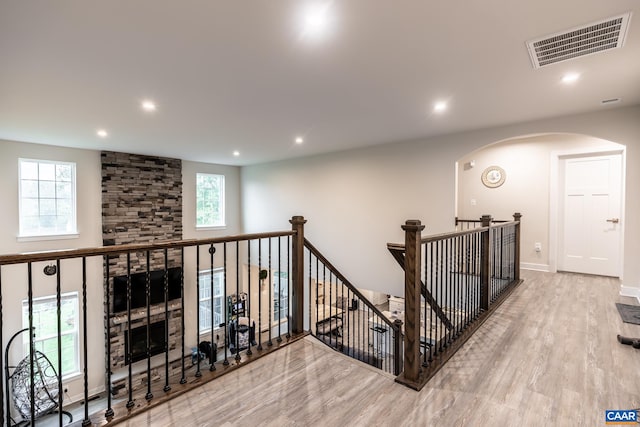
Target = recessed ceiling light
(439,106)
(570,78)
(102,133)
(149,106)
(316,20)
(299,140)
(236,153)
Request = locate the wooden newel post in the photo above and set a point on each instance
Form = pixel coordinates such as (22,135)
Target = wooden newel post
(485,238)
(297,272)
(412,268)
(517,217)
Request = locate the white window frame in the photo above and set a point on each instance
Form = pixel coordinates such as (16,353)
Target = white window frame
(284,285)
(204,279)
(222,206)
(72,229)
(75,332)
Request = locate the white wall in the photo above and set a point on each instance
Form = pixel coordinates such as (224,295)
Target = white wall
(527,165)
(189,231)
(89,215)
(355,201)
(89,218)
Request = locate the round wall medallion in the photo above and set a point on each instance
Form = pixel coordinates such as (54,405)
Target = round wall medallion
(493,176)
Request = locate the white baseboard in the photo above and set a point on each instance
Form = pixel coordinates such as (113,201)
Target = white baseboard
(79,397)
(534,267)
(630,291)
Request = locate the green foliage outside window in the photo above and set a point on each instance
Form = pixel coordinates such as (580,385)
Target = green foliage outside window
(209,200)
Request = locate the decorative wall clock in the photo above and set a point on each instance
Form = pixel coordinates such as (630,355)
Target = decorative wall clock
(493,176)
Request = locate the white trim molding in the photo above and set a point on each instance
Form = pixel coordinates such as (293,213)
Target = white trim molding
(535,267)
(630,291)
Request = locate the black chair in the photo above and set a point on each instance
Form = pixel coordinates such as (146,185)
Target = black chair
(46,386)
(242,334)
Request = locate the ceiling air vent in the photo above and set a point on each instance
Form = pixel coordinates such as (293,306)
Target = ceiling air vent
(586,40)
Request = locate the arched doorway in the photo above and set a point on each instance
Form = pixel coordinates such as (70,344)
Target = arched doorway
(532,183)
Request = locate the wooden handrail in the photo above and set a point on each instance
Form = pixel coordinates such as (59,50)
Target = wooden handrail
(137,247)
(452,234)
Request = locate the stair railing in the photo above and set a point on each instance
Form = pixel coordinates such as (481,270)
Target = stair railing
(347,321)
(453,282)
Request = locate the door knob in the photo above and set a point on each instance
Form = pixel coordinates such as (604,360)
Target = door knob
(613,220)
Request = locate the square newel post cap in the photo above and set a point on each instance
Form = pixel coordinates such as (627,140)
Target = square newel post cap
(517,216)
(413,225)
(298,220)
(486,220)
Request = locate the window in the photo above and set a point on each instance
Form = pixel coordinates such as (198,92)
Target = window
(280,296)
(47,198)
(45,323)
(209,200)
(204,284)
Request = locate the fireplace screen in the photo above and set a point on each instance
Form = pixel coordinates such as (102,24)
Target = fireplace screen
(139,340)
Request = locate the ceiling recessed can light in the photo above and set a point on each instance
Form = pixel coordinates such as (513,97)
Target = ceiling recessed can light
(236,153)
(570,78)
(102,133)
(148,106)
(316,20)
(299,140)
(439,106)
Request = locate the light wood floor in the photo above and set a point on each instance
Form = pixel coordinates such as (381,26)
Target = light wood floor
(547,357)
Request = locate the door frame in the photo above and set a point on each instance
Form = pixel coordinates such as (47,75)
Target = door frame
(555,194)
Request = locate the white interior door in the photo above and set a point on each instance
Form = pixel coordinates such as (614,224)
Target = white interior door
(590,215)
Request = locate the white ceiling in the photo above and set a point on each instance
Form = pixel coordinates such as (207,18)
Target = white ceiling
(237,75)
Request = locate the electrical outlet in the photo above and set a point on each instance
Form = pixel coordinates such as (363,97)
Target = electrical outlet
(538,247)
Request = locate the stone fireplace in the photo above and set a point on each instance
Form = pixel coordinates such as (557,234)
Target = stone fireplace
(141,203)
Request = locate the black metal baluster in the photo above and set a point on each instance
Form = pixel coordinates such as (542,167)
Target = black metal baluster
(289,287)
(269,342)
(443,293)
(324,300)
(460,302)
(59,338)
(198,373)
(166,387)
(251,323)
(452,289)
(438,300)
(445,278)
(261,281)
(2,361)
(183,379)
(279,339)
(108,414)
(454,285)
(371,350)
(342,315)
(476,275)
(311,293)
(331,339)
(238,301)
(425,254)
(316,290)
(130,402)
(212,366)
(85,371)
(32,392)
(226,310)
(147,292)
(434,292)
(348,320)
